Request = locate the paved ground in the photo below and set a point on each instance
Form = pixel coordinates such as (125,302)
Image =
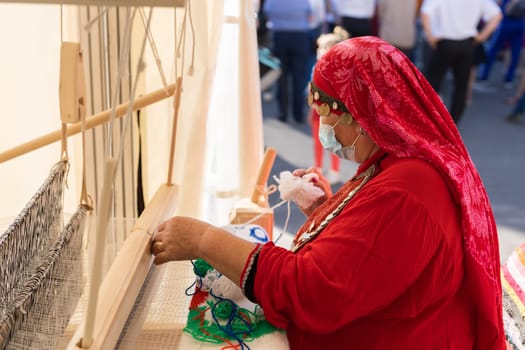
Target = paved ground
(496,146)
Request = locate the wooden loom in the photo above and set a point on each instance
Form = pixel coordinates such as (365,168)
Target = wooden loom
(117,302)
(127,274)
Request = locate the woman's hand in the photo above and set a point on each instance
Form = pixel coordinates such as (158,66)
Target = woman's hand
(183,238)
(178,238)
(320,182)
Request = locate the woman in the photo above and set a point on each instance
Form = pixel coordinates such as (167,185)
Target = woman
(405,254)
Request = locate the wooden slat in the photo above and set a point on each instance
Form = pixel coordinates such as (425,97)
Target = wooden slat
(123,282)
(113,47)
(163,3)
(95,142)
(95,120)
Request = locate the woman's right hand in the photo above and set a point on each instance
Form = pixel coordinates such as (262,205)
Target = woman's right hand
(321,182)
(178,238)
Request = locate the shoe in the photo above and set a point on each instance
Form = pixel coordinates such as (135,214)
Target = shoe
(333,177)
(514,118)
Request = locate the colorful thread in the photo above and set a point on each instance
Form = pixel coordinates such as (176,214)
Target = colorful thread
(218,320)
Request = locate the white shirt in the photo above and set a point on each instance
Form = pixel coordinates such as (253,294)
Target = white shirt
(458,19)
(356,8)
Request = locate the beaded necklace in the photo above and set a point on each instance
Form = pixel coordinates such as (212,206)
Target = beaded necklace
(313,230)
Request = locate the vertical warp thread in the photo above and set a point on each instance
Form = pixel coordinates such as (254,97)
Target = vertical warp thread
(21,245)
(41,270)
(48,299)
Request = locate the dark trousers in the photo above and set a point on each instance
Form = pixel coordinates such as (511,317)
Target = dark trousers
(458,55)
(294,50)
(357,26)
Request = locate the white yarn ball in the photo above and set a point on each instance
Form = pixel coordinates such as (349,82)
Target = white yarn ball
(299,190)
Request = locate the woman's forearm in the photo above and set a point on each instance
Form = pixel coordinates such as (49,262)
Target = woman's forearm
(184,238)
(226,253)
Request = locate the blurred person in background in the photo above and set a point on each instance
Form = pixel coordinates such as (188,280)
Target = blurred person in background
(290,24)
(397,23)
(518,102)
(510,31)
(450,28)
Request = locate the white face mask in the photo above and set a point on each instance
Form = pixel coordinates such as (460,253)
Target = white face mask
(330,143)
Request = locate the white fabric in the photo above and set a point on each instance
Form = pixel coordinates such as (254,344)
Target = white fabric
(512,331)
(249,119)
(219,111)
(189,171)
(356,8)
(458,20)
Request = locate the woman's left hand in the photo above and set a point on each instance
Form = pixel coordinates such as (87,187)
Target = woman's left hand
(319,181)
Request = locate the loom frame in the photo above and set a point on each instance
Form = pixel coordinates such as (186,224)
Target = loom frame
(136,249)
(164,3)
(124,280)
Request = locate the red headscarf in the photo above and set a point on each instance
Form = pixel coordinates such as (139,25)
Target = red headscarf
(397,107)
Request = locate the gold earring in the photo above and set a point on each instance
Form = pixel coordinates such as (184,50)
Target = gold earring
(346,118)
(310,99)
(324,110)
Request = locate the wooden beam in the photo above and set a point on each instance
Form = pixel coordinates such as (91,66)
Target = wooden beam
(125,278)
(162,3)
(91,122)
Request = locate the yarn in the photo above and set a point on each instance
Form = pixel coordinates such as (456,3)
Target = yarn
(299,190)
(218,317)
(223,309)
(201,267)
(219,312)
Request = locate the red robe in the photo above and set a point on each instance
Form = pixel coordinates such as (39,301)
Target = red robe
(387,273)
